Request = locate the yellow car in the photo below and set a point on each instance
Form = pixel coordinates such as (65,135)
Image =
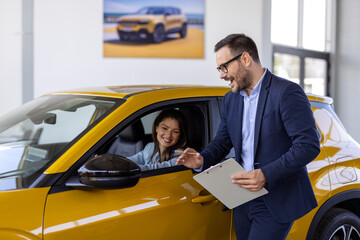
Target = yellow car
(152,23)
(57,180)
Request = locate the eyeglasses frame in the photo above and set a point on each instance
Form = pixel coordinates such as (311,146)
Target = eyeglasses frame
(227,63)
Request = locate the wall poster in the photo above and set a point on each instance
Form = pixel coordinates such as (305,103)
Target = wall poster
(155,28)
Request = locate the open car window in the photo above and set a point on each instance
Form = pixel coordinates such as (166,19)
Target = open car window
(137,135)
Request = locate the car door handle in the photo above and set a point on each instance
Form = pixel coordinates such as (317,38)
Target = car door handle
(203,199)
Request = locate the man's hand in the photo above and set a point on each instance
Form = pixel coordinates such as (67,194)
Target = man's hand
(190,158)
(253,180)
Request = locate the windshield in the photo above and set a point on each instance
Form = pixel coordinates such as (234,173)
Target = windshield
(35,134)
(151,11)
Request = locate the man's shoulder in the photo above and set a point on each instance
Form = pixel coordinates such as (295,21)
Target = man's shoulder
(279,83)
(231,98)
(280,80)
(230,94)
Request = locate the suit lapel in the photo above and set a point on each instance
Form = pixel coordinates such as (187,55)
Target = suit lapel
(238,127)
(260,107)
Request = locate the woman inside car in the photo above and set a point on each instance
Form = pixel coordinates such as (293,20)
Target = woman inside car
(169,133)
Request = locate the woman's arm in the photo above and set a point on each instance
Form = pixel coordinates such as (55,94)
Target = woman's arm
(169,163)
(143,156)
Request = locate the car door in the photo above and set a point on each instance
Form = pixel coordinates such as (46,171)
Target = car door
(165,204)
(172,19)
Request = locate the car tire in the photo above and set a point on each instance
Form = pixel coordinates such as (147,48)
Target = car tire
(121,35)
(338,223)
(158,35)
(183,30)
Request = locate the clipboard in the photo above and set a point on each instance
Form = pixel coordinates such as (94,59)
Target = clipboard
(217,180)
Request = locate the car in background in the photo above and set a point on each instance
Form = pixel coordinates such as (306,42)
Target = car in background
(152,23)
(60,180)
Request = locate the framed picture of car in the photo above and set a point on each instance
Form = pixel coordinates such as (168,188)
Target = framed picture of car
(153,29)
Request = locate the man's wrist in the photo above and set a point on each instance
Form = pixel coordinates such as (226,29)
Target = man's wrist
(199,169)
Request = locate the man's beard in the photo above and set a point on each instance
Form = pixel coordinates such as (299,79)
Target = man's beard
(243,83)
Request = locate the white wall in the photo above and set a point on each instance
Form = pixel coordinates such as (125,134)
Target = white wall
(68,51)
(68,46)
(10,55)
(347,62)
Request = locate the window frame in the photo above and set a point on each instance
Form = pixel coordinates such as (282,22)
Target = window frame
(302,54)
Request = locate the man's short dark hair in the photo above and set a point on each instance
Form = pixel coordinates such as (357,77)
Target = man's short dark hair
(239,43)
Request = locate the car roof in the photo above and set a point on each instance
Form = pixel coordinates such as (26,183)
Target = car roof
(127,91)
(160,7)
(132,90)
(318,98)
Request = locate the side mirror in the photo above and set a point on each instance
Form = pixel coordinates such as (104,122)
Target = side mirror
(110,172)
(50,118)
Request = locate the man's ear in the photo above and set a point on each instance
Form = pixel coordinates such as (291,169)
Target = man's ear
(246,58)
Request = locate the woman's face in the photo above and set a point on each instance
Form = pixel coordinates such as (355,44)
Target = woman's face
(167,133)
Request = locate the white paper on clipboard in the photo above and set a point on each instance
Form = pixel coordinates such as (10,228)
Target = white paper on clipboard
(217,180)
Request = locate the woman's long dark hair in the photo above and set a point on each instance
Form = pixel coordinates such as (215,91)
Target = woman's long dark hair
(179,117)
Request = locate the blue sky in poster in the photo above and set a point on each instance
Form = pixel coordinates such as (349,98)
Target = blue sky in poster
(130,6)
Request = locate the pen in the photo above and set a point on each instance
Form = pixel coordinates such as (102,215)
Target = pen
(191,153)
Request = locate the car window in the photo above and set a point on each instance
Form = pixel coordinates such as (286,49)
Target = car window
(70,124)
(327,122)
(151,11)
(136,137)
(147,122)
(329,126)
(35,134)
(169,11)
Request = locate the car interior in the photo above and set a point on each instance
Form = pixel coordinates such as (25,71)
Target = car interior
(129,141)
(135,136)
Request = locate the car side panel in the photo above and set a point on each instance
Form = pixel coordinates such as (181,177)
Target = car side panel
(334,171)
(22,213)
(158,207)
(173,22)
(318,171)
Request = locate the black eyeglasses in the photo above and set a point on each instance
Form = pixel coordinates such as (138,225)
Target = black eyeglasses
(223,67)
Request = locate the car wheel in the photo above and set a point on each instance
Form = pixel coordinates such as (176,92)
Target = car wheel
(338,223)
(183,30)
(121,35)
(159,34)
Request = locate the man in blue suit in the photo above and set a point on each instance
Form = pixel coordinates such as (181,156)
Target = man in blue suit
(269,122)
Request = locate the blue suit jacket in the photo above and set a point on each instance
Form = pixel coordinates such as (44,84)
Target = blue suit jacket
(285,141)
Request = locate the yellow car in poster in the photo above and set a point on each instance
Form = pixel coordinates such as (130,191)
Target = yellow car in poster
(152,23)
(58,180)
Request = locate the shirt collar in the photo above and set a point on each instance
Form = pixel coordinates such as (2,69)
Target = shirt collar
(257,87)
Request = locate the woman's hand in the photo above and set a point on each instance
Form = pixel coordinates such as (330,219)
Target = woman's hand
(190,158)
